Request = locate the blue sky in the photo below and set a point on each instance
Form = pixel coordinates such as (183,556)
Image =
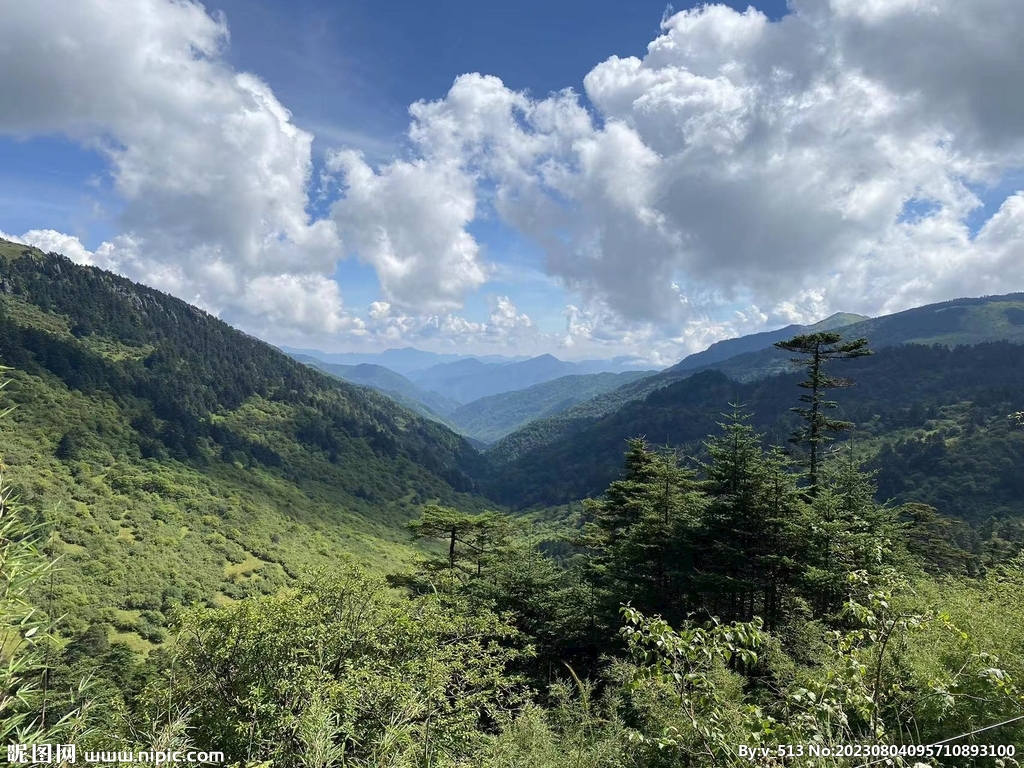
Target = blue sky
(723,173)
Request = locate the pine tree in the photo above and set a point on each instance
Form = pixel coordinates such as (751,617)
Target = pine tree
(749,535)
(849,532)
(818,349)
(473,540)
(640,535)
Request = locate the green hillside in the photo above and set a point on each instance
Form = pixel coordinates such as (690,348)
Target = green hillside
(487,419)
(176,460)
(490,418)
(961,321)
(428,404)
(728,348)
(203,490)
(943,411)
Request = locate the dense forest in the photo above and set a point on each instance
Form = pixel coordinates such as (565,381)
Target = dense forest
(962,322)
(206,545)
(175,460)
(941,410)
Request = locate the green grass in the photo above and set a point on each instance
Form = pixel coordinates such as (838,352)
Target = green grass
(137,535)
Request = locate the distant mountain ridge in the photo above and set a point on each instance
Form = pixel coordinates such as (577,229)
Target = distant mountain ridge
(931,409)
(467,380)
(485,419)
(966,321)
(959,321)
(490,418)
(723,350)
(562,425)
(429,404)
(403,360)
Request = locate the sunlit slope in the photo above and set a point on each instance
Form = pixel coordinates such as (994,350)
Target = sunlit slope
(177,459)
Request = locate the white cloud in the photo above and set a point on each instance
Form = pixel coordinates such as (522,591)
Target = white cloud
(754,161)
(506,328)
(51,241)
(310,304)
(409,221)
(740,164)
(213,173)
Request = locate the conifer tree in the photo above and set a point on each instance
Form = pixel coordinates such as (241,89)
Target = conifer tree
(749,533)
(472,539)
(818,349)
(641,534)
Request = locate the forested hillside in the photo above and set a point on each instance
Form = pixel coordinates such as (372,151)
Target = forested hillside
(744,614)
(468,380)
(963,321)
(950,323)
(424,402)
(485,419)
(729,348)
(176,460)
(260,559)
(490,418)
(944,412)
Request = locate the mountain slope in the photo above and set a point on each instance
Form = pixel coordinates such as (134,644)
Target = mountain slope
(491,418)
(467,380)
(177,460)
(907,396)
(402,360)
(723,350)
(972,321)
(424,402)
(960,321)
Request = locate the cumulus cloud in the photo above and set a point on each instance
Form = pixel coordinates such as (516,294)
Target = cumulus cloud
(506,328)
(742,173)
(211,169)
(51,241)
(409,221)
(748,162)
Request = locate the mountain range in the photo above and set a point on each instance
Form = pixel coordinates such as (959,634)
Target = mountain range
(425,402)
(178,461)
(490,417)
(467,380)
(677,405)
(403,360)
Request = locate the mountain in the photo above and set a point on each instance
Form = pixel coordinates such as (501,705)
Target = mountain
(961,321)
(176,460)
(564,424)
(490,418)
(723,350)
(467,380)
(484,420)
(424,402)
(932,420)
(402,360)
(950,323)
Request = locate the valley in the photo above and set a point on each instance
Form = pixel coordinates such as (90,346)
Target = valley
(195,484)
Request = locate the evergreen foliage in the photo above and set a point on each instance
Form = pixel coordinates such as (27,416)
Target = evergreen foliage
(818,349)
(701,601)
(932,420)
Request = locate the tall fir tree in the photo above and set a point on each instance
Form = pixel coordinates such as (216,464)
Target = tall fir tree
(749,535)
(640,535)
(816,350)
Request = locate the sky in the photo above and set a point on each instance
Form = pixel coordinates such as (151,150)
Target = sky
(586,179)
